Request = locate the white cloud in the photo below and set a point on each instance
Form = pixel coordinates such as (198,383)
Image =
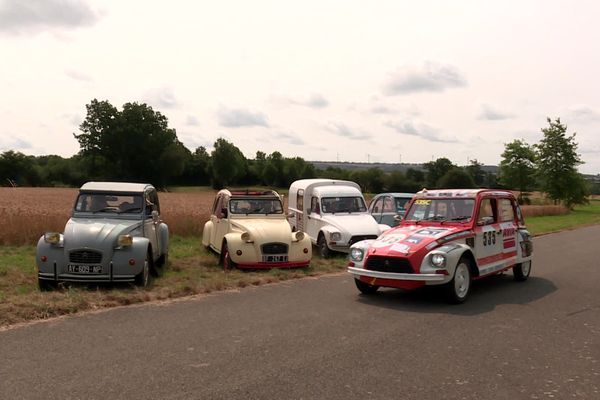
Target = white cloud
(419,129)
(239,117)
(430,77)
(583,113)
(14,143)
(491,114)
(161,98)
(342,130)
(78,76)
(20,16)
(192,120)
(290,138)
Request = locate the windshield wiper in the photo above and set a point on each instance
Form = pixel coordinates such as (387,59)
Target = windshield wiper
(435,218)
(105,209)
(462,218)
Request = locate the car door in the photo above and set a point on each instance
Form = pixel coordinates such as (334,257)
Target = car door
(377,208)
(151,221)
(508,224)
(488,237)
(313,219)
(219,218)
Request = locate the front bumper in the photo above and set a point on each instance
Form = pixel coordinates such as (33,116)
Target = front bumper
(261,265)
(358,272)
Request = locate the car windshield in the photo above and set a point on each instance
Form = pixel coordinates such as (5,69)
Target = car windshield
(460,210)
(255,206)
(343,204)
(109,203)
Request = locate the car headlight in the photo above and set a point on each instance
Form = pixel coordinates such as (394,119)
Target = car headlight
(52,237)
(299,236)
(356,254)
(125,240)
(438,260)
(335,236)
(246,237)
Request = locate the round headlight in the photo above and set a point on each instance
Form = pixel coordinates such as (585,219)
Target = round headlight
(246,237)
(335,236)
(438,260)
(125,240)
(52,237)
(299,236)
(356,254)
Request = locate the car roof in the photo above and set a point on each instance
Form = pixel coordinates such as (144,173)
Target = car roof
(237,193)
(462,193)
(395,194)
(115,187)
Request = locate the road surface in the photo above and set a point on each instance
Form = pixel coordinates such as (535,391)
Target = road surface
(320,339)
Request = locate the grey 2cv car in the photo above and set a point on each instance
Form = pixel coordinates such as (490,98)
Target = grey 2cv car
(115,234)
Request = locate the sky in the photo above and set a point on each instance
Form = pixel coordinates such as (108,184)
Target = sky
(357,81)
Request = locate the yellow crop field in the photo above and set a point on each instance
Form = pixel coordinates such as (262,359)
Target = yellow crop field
(26,213)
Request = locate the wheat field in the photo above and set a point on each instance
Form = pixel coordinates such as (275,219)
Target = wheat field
(26,213)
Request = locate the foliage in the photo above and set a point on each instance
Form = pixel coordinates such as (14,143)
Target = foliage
(517,167)
(456,178)
(476,172)
(228,164)
(436,170)
(557,162)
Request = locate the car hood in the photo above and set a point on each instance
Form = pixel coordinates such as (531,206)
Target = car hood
(355,224)
(94,233)
(408,239)
(265,229)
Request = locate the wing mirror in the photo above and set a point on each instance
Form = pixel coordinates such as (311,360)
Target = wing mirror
(155,216)
(398,217)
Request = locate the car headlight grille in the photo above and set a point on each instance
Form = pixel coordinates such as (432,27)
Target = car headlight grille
(274,248)
(85,257)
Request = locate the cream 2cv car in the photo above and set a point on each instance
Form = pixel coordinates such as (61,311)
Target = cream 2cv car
(448,238)
(332,212)
(249,230)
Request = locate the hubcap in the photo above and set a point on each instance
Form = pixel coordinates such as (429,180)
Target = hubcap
(461,280)
(525,268)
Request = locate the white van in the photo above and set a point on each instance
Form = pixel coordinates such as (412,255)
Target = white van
(332,212)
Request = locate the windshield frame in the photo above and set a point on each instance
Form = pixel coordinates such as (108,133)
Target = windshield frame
(432,210)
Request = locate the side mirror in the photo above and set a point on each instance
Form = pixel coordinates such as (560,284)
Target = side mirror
(291,214)
(155,216)
(308,211)
(398,217)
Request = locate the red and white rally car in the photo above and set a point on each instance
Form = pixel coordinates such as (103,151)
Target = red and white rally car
(447,237)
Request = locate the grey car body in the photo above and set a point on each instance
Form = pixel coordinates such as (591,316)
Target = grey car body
(384,207)
(115,234)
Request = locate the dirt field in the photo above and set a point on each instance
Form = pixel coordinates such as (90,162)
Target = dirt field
(27,213)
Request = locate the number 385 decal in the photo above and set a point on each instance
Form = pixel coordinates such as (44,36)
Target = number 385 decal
(489,238)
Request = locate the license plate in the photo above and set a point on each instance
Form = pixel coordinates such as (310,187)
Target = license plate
(274,259)
(84,269)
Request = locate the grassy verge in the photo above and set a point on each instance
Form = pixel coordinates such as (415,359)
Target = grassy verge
(192,270)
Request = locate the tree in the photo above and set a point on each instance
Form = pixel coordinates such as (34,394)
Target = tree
(127,144)
(557,162)
(396,181)
(456,178)
(436,169)
(517,167)
(228,164)
(475,170)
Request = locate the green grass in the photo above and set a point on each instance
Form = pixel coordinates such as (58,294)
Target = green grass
(588,214)
(192,270)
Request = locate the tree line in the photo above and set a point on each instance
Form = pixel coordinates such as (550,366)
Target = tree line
(136,144)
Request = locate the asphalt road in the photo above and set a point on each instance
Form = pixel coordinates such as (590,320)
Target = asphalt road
(320,339)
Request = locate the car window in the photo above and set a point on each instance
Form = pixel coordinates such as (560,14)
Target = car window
(300,200)
(378,205)
(388,205)
(487,212)
(109,202)
(402,204)
(441,210)
(255,206)
(506,210)
(343,204)
(314,205)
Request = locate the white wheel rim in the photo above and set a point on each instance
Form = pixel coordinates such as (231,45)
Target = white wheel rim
(461,280)
(525,267)
(146,272)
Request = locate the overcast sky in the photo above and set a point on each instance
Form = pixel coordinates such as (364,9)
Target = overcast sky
(379,81)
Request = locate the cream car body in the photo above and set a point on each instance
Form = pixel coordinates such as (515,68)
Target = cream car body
(249,229)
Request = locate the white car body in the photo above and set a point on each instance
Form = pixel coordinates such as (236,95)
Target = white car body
(315,207)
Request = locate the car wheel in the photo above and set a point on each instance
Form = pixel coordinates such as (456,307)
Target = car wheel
(365,288)
(323,249)
(162,264)
(144,278)
(46,286)
(521,271)
(458,288)
(228,263)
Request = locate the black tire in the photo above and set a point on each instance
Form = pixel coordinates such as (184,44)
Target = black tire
(521,271)
(46,286)
(161,265)
(458,288)
(144,278)
(365,288)
(324,251)
(226,260)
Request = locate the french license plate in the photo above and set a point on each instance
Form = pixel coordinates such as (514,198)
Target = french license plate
(274,258)
(84,269)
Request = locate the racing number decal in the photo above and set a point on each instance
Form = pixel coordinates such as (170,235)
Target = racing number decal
(489,238)
(423,202)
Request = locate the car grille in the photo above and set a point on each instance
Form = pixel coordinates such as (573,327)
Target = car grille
(85,257)
(274,248)
(355,239)
(389,264)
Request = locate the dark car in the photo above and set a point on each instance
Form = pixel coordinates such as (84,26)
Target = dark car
(385,207)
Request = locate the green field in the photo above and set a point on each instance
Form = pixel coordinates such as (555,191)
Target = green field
(192,270)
